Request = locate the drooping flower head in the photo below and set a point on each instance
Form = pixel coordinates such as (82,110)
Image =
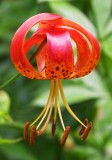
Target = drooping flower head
(55,61)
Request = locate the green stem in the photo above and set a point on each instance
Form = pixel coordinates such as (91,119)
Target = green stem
(10,81)
(38,49)
(31,58)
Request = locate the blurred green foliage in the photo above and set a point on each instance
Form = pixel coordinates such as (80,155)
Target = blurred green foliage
(90,96)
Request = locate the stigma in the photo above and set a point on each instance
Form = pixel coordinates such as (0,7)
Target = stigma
(38,126)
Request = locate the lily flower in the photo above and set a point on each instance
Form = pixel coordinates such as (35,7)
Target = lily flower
(55,61)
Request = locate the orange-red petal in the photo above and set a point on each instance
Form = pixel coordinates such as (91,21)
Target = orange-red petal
(17,50)
(56,58)
(59,55)
(95,48)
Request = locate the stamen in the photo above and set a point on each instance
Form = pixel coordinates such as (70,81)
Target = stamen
(44,116)
(67,106)
(32,135)
(55,110)
(48,102)
(86,132)
(65,135)
(83,128)
(58,104)
(53,129)
(46,123)
(61,119)
(26,127)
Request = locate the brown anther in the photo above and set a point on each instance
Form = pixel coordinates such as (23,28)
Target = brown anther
(86,132)
(65,135)
(53,129)
(83,128)
(32,135)
(26,127)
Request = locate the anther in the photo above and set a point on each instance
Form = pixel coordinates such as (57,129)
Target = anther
(32,135)
(53,129)
(86,132)
(65,135)
(26,127)
(83,128)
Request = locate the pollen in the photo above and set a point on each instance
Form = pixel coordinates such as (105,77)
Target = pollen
(85,131)
(32,135)
(65,135)
(26,127)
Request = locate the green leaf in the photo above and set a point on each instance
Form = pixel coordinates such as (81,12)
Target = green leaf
(73,13)
(85,152)
(94,81)
(40,1)
(16,151)
(108,28)
(10,141)
(5,118)
(4,107)
(102,11)
(4,102)
(76,94)
(107,46)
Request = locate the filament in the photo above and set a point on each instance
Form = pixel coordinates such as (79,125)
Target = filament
(66,104)
(48,102)
(45,114)
(46,123)
(58,104)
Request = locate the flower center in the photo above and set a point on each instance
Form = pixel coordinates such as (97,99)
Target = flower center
(45,115)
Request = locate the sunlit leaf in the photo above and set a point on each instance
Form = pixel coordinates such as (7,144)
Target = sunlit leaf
(102,11)
(4,102)
(107,46)
(94,81)
(51,0)
(108,28)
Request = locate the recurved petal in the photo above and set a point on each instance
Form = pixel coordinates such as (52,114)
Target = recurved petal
(36,40)
(83,49)
(17,51)
(95,48)
(59,57)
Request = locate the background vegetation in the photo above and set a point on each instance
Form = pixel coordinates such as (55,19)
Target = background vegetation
(90,96)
